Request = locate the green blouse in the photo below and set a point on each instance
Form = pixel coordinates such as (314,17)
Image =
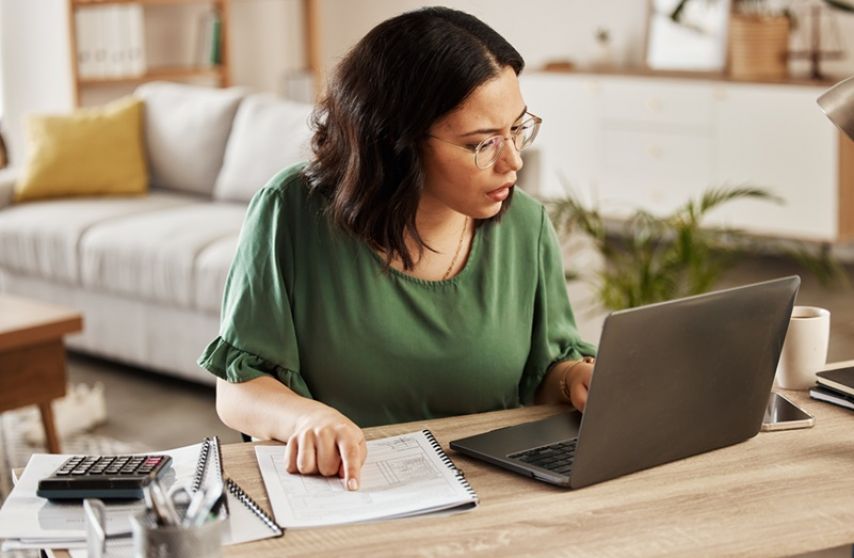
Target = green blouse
(312,306)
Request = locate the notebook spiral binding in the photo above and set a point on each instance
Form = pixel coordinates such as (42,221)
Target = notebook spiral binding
(253,506)
(201,465)
(450,464)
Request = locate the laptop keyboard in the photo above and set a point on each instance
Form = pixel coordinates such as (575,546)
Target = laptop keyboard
(555,457)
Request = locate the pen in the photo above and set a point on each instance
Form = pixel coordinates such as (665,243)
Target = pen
(212,497)
(194,507)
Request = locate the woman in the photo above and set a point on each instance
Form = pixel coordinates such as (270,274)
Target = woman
(391,279)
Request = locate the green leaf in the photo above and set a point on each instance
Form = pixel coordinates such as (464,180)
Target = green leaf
(652,259)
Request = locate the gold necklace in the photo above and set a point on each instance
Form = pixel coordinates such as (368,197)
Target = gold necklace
(457,252)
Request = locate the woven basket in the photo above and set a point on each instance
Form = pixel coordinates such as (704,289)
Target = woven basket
(758,47)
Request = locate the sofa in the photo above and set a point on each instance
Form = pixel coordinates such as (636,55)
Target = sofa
(147,272)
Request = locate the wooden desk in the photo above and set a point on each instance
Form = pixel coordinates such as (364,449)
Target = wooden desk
(32,357)
(779,493)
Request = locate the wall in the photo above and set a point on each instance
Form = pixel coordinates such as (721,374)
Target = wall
(35,64)
(546,29)
(540,30)
(267,41)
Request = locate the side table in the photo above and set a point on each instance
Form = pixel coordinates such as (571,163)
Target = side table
(32,357)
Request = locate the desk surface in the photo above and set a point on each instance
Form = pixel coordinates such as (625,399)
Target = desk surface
(779,493)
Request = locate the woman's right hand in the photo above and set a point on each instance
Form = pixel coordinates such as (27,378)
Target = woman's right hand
(326,442)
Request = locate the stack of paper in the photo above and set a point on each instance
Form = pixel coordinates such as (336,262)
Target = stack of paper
(27,521)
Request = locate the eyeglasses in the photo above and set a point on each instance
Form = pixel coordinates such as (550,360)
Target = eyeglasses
(488,151)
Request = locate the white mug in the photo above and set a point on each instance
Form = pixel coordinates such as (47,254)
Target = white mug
(805,348)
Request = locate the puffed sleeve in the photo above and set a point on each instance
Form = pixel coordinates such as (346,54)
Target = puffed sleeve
(554,335)
(257,335)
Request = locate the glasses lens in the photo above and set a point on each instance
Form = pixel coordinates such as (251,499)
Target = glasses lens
(525,133)
(488,151)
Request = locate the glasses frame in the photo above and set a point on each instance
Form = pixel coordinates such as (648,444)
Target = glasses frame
(477,149)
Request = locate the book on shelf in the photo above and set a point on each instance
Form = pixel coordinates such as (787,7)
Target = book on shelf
(840,380)
(831,396)
(136,65)
(208,39)
(110,41)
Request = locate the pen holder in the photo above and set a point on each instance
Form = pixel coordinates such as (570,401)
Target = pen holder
(155,541)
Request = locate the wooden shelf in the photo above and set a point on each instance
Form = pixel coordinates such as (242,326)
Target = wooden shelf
(178,72)
(220,72)
(88,3)
(706,76)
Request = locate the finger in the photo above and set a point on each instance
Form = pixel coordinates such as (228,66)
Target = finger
(306,460)
(328,460)
(363,446)
(352,457)
(579,395)
(587,377)
(291,451)
(364,450)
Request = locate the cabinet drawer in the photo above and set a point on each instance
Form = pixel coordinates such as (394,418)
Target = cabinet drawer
(656,171)
(661,103)
(657,153)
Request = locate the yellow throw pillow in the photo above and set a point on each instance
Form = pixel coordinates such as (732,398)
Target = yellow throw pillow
(88,152)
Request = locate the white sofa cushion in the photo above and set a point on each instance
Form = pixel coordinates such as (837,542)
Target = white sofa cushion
(186,129)
(211,270)
(41,238)
(153,256)
(268,135)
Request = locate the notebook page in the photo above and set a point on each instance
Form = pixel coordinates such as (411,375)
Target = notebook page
(402,476)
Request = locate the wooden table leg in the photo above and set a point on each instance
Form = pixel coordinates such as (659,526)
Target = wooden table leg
(34,375)
(50,434)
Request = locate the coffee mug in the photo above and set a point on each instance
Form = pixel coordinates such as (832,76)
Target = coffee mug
(805,348)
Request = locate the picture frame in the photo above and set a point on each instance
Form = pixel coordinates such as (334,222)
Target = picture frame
(687,35)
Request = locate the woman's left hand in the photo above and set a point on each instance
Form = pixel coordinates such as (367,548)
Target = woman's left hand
(578,384)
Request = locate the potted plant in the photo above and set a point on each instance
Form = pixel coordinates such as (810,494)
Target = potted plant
(649,258)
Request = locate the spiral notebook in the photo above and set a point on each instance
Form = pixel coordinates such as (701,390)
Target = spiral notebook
(247,521)
(402,476)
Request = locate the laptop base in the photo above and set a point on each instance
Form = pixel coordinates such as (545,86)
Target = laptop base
(494,446)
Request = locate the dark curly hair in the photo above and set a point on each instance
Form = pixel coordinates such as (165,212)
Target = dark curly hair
(385,95)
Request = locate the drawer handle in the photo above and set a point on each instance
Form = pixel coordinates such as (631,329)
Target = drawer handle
(654,104)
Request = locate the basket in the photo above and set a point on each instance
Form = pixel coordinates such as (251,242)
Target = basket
(758,47)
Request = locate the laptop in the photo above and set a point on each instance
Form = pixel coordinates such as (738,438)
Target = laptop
(672,380)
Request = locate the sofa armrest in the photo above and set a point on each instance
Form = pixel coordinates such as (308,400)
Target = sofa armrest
(8,177)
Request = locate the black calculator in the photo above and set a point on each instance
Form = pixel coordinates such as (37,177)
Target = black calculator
(103,476)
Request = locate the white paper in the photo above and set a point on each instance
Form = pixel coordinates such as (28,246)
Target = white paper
(28,521)
(402,476)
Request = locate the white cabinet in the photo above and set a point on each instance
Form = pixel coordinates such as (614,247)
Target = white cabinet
(567,143)
(778,138)
(628,142)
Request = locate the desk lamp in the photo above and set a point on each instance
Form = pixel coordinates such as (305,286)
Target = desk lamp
(838,101)
(838,104)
